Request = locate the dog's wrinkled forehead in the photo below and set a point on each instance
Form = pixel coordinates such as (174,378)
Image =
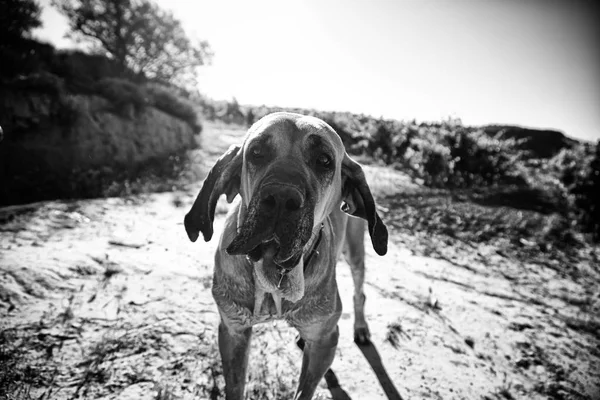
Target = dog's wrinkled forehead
(283,128)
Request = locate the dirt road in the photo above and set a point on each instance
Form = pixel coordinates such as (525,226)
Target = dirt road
(108,299)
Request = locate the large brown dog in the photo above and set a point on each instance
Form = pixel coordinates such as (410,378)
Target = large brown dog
(280,244)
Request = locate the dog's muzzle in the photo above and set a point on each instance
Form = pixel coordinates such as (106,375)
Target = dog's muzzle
(277,225)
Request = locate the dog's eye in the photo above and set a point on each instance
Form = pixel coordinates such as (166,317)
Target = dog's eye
(323,160)
(257,152)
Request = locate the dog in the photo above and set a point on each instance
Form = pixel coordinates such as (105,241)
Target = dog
(302,198)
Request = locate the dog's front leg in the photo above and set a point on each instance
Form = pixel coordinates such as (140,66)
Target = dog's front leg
(318,354)
(234,346)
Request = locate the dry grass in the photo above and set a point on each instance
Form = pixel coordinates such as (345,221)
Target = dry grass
(395,333)
(272,370)
(107,357)
(469,218)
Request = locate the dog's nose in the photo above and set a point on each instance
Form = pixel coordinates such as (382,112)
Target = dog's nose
(284,198)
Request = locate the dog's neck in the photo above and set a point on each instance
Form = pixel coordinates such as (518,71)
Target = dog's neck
(311,249)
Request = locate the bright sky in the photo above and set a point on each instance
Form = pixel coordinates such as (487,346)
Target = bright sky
(529,62)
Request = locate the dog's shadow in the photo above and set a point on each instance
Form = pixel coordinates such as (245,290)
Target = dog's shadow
(372,355)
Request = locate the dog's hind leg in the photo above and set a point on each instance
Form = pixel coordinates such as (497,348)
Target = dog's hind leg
(354,253)
(234,346)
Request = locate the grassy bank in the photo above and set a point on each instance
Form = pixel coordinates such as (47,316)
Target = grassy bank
(75,126)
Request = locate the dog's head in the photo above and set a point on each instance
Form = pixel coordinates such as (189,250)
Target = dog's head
(291,172)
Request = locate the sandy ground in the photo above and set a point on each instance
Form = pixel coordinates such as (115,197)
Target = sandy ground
(108,299)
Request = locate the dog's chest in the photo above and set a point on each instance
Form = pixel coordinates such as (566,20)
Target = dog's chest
(268,307)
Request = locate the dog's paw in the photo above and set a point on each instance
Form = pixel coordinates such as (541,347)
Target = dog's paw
(362,335)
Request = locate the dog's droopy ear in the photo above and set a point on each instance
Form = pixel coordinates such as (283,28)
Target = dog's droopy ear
(223,178)
(358,201)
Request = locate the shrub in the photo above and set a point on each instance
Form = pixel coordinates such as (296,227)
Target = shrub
(34,180)
(547,194)
(82,71)
(19,114)
(479,159)
(403,141)
(570,165)
(68,111)
(382,142)
(42,82)
(437,167)
(169,102)
(587,195)
(341,129)
(125,96)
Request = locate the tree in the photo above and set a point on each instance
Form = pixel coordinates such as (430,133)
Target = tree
(139,36)
(18,18)
(19,53)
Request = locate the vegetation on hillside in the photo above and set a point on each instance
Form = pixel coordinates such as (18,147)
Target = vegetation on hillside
(60,73)
(586,190)
(46,81)
(560,178)
(130,67)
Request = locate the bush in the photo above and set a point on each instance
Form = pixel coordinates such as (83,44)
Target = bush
(587,195)
(404,140)
(42,82)
(79,71)
(169,102)
(480,160)
(82,71)
(37,180)
(126,97)
(547,194)
(438,166)
(68,111)
(158,174)
(571,165)
(57,108)
(346,127)
(382,142)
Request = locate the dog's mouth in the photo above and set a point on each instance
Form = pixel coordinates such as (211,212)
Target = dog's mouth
(270,251)
(276,241)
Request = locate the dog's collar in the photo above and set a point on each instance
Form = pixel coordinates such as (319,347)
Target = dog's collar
(283,272)
(315,246)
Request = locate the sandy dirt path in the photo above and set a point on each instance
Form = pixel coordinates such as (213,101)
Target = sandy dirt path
(108,299)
